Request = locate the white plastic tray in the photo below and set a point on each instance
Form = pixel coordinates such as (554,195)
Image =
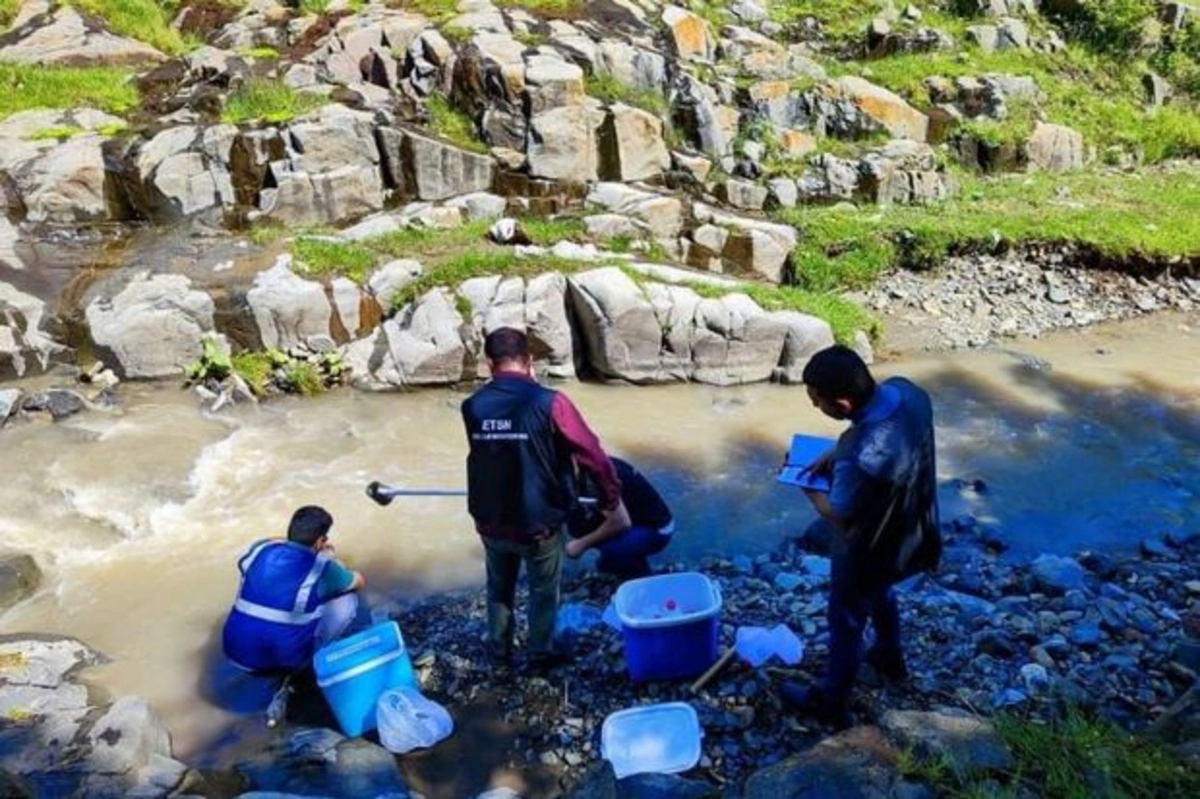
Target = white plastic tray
(662,738)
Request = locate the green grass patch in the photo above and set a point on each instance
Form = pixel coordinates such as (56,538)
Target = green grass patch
(64,132)
(316,7)
(268,101)
(609,90)
(262,53)
(481,263)
(1100,97)
(1074,757)
(323,257)
(143,20)
(546,8)
(256,368)
(435,10)
(303,378)
(453,125)
(546,232)
(24,87)
(8,12)
(1120,215)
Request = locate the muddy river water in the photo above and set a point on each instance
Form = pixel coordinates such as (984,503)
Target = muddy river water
(1088,439)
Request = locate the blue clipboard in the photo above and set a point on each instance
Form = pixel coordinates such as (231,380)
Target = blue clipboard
(805,450)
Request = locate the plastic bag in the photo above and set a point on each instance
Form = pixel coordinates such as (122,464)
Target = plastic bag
(575,619)
(756,645)
(409,721)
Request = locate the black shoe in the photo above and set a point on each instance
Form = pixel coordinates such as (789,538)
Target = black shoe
(888,666)
(811,701)
(552,659)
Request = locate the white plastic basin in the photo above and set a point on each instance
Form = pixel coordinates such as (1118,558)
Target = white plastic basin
(663,739)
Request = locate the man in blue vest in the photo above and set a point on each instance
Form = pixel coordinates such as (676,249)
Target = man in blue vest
(294,597)
(624,550)
(884,514)
(525,441)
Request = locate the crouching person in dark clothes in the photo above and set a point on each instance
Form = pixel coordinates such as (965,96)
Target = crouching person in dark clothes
(525,442)
(624,549)
(884,514)
(293,599)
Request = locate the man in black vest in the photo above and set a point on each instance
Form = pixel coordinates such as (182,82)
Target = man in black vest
(883,510)
(624,551)
(525,442)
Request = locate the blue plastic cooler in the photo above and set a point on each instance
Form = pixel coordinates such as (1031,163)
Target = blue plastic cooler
(669,623)
(353,672)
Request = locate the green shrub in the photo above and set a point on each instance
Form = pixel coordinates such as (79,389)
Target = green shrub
(314,6)
(1113,27)
(24,87)
(453,125)
(303,378)
(143,20)
(8,12)
(214,364)
(256,368)
(268,101)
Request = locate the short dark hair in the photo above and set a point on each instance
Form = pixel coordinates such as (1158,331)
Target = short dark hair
(839,373)
(506,344)
(308,524)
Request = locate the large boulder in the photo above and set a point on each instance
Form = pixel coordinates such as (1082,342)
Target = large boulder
(751,245)
(806,336)
(24,342)
(1055,148)
(149,325)
(661,213)
(64,37)
(289,310)
(708,123)
(126,737)
(538,306)
(184,170)
(433,170)
(631,145)
(331,172)
(19,573)
(551,82)
(422,345)
(563,143)
(890,110)
(61,182)
(735,341)
(856,763)
(619,327)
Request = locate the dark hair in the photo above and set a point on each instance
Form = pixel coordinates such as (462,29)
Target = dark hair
(506,344)
(308,524)
(839,373)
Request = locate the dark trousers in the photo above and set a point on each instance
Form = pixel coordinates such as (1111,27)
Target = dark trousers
(853,601)
(543,570)
(627,555)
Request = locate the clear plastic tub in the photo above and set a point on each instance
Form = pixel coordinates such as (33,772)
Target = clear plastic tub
(662,739)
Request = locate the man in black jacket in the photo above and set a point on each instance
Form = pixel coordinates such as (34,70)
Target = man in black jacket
(883,510)
(525,443)
(624,550)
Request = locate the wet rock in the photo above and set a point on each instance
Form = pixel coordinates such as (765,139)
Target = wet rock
(806,336)
(19,578)
(60,403)
(970,744)
(149,325)
(126,737)
(321,762)
(665,786)
(1055,574)
(64,37)
(10,399)
(64,182)
(288,309)
(538,306)
(431,170)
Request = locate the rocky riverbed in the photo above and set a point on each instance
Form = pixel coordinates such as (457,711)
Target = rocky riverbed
(1120,636)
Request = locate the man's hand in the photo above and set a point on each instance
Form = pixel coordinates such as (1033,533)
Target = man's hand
(822,466)
(575,547)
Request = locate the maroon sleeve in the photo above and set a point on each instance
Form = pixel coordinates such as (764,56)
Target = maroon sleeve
(585,446)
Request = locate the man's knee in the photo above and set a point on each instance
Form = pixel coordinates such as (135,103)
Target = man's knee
(337,615)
